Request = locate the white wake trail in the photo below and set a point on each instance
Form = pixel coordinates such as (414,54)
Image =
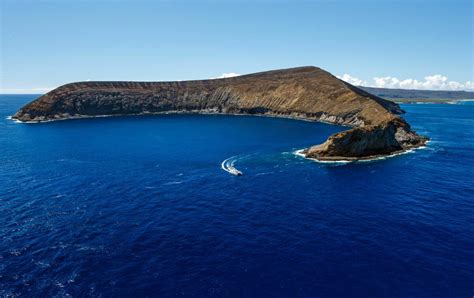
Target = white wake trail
(228,166)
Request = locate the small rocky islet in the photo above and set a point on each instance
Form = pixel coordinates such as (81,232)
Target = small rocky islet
(307,93)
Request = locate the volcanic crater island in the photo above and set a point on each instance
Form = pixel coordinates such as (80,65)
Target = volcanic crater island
(306,93)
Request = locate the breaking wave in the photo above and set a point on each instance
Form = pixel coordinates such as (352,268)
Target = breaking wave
(300,154)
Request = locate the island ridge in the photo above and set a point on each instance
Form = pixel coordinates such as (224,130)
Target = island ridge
(307,93)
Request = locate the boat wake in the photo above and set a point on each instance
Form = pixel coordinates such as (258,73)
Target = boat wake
(228,166)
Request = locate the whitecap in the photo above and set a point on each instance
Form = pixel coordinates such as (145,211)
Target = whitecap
(14,120)
(300,154)
(263,173)
(173,182)
(15,252)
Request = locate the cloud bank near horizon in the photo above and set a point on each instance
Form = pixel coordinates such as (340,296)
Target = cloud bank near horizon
(433,82)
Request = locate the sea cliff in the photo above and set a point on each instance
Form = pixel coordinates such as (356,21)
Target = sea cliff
(308,93)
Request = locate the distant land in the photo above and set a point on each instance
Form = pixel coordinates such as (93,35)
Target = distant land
(307,93)
(407,95)
(412,96)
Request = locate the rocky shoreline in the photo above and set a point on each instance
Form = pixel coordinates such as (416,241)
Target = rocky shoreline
(184,112)
(305,93)
(345,159)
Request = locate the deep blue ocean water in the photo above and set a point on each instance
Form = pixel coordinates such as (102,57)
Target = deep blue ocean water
(139,206)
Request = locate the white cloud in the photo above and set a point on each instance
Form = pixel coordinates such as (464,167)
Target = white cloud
(433,82)
(227,75)
(352,80)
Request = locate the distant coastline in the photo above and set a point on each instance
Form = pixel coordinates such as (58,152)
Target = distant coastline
(432,96)
(428,100)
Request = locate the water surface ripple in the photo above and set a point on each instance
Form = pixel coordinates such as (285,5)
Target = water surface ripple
(140,206)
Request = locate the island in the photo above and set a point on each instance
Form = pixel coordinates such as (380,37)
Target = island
(421,96)
(306,93)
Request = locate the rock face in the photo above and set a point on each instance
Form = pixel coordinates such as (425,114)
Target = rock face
(308,93)
(367,142)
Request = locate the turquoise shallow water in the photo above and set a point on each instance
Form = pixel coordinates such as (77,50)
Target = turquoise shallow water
(141,206)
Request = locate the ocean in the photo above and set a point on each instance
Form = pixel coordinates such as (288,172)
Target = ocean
(141,206)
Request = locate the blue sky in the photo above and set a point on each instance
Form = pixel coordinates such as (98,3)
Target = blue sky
(45,44)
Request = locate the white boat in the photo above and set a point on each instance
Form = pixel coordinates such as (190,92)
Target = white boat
(227,165)
(234,171)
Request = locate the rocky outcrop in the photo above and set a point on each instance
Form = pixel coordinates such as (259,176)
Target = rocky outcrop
(367,142)
(308,93)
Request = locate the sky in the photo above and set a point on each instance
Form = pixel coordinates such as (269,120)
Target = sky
(397,44)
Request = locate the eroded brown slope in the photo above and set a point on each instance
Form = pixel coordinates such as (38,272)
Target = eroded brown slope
(305,92)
